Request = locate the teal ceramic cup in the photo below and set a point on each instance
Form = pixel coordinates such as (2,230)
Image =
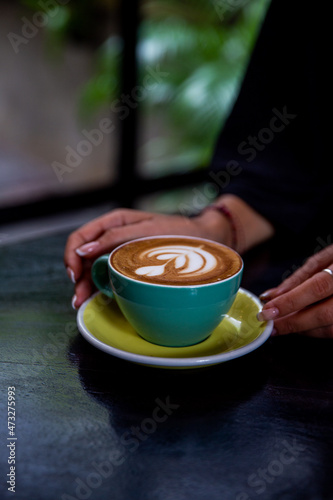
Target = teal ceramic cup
(168,315)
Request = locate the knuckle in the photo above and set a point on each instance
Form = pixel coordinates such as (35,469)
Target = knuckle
(321,285)
(309,266)
(322,258)
(291,305)
(325,254)
(71,239)
(120,211)
(325,315)
(289,326)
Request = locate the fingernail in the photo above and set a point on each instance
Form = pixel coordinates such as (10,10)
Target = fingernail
(71,274)
(74,302)
(87,248)
(265,296)
(267,314)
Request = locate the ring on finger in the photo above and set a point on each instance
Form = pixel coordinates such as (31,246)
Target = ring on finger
(327,270)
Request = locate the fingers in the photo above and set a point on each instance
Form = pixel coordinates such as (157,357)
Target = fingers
(71,260)
(84,287)
(97,237)
(312,266)
(101,236)
(308,307)
(132,224)
(303,303)
(314,321)
(83,291)
(315,289)
(114,236)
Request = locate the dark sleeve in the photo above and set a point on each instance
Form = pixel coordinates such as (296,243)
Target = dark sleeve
(274,151)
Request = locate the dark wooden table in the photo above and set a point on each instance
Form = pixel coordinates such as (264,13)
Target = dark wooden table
(90,426)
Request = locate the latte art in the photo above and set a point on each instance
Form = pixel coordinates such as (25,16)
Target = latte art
(173,260)
(186,260)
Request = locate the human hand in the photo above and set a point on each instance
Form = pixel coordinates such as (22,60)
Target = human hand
(303,303)
(103,234)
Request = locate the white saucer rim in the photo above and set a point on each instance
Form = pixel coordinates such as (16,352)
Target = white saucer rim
(166,362)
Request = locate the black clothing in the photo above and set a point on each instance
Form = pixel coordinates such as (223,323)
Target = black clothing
(276,142)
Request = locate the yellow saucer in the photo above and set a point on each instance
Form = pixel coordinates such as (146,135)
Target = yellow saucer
(101,323)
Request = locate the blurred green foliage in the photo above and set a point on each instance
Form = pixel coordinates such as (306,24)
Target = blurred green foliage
(202,46)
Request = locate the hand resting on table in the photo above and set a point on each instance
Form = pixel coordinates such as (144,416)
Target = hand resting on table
(303,303)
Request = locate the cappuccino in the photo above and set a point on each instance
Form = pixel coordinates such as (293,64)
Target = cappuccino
(176,261)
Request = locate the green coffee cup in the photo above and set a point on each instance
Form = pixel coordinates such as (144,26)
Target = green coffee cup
(166,314)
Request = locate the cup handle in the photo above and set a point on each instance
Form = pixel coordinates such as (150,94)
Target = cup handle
(100,275)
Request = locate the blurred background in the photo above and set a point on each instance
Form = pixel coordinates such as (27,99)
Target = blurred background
(108,102)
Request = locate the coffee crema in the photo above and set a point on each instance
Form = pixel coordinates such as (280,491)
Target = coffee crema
(176,261)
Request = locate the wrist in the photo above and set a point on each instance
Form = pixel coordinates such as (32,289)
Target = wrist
(215,226)
(248,227)
(234,227)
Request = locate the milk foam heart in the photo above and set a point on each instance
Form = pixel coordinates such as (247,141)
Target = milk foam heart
(185,259)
